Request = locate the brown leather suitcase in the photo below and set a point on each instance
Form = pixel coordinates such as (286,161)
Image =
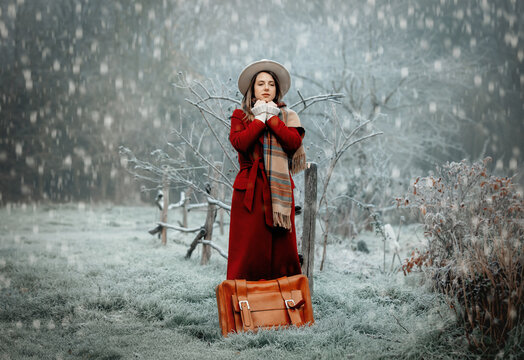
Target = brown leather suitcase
(248,305)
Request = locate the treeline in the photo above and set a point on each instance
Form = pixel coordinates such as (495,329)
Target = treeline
(79,78)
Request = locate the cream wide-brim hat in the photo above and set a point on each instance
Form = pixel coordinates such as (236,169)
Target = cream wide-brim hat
(278,69)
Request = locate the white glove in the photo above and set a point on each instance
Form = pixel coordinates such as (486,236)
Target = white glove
(272,109)
(259,110)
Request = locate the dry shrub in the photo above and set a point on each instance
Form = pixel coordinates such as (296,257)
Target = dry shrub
(474,226)
(417,259)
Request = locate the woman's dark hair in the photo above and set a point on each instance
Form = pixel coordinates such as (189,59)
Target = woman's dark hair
(247,101)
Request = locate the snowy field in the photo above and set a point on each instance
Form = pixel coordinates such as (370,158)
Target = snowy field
(89,282)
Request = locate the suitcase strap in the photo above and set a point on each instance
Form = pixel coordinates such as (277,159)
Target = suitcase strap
(245,310)
(292,308)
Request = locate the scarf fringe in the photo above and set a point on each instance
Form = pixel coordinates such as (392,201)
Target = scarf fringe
(299,161)
(282,220)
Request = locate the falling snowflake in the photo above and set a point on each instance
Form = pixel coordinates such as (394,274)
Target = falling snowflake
(104,68)
(395,173)
(403,23)
(477,80)
(108,121)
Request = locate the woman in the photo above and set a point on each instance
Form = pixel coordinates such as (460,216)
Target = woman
(268,137)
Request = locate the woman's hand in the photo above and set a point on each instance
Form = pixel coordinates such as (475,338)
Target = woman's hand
(272,109)
(259,110)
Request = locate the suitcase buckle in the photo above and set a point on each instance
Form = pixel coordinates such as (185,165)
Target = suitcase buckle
(292,303)
(244,301)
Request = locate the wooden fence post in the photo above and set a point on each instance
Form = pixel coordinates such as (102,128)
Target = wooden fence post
(211,214)
(165,190)
(220,210)
(310,215)
(187,200)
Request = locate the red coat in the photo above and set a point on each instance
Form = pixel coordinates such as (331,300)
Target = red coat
(256,249)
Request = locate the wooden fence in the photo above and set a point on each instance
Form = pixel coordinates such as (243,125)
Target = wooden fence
(204,234)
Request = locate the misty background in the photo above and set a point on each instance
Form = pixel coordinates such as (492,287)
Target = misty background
(79,78)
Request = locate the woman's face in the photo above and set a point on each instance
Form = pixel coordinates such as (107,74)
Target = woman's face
(265,88)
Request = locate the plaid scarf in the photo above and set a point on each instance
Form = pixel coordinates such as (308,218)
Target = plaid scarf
(278,165)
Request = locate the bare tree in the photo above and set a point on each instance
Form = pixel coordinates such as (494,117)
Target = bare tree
(184,161)
(337,138)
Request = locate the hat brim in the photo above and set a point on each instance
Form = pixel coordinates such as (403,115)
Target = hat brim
(278,69)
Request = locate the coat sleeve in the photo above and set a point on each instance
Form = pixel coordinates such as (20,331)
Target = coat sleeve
(288,137)
(243,136)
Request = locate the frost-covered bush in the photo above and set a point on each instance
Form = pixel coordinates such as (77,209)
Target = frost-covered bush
(474,225)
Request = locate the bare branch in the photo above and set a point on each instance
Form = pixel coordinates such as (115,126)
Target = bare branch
(360,139)
(314,99)
(302,98)
(212,179)
(202,109)
(204,158)
(219,142)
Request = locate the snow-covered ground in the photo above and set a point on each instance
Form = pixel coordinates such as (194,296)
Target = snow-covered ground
(89,282)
